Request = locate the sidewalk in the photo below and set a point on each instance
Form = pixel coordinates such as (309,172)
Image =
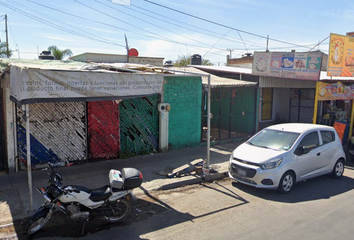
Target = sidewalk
(14,192)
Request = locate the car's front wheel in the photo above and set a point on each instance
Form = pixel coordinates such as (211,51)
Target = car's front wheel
(287,182)
(338,169)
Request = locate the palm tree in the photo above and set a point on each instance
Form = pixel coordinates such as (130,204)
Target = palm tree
(59,54)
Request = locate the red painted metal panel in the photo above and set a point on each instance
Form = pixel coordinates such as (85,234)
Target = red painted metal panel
(103,128)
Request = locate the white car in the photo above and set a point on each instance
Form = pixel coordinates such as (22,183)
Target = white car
(280,155)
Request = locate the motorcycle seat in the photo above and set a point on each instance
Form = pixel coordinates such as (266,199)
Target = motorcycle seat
(101,193)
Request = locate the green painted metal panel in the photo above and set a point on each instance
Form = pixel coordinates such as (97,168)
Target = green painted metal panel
(184,94)
(244,111)
(233,112)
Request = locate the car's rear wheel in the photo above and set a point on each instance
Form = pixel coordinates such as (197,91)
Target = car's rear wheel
(338,169)
(287,182)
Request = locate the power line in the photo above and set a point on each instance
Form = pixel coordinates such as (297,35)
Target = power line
(113,26)
(56,25)
(222,25)
(70,25)
(153,24)
(158,36)
(165,19)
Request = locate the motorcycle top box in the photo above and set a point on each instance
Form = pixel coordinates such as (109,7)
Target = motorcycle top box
(132,178)
(128,178)
(115,179)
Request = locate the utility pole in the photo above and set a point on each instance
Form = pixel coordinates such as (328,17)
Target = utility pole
(7,39)
(231,50)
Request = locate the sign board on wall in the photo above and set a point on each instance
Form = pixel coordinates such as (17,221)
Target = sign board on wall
(335,91)
(42,85)
(294,65)
(341,56)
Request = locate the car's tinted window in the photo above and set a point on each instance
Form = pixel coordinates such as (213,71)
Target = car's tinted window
(310,140)
(327,136)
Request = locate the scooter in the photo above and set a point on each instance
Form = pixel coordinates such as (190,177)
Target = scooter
(110,202)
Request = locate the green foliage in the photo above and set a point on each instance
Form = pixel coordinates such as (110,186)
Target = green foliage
(3,50)
(185,60)
(59,54)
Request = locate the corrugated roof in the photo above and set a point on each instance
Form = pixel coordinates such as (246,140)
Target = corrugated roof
(215,81)
(225,69)
(323,75)
(71,65)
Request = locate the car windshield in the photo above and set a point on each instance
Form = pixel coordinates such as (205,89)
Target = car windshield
(274,139)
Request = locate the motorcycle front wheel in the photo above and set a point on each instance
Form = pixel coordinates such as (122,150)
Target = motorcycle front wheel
(121,210)
(37,221)
(35,225)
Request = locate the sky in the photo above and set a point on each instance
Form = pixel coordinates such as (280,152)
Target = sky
(169,29)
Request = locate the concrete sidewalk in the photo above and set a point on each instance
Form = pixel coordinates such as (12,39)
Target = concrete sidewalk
(14,192)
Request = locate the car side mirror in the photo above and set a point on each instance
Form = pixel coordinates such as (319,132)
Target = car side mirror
(302,150)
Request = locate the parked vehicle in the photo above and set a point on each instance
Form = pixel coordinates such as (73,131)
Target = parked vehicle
(280,155)
(110,202)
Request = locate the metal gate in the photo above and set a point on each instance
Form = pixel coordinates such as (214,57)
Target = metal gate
(301,105)
(103,129)
(233,113)
(139,126)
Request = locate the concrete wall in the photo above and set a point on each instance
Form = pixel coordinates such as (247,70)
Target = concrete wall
(10,123)
(184,94)
(245,61)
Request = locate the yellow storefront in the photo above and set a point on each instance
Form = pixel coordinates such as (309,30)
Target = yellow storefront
(334,106)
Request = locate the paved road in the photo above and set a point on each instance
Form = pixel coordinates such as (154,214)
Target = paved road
(320,208)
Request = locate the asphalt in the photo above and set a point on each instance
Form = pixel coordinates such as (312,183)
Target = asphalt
(14,191)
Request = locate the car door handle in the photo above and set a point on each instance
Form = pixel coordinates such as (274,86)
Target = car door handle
(318,154)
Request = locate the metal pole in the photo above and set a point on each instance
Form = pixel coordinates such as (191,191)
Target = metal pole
(29,165)
(351,121)
(7,39)
(127,47)
(314,120)
(208,123)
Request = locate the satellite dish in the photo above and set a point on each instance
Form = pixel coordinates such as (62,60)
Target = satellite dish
(133,52)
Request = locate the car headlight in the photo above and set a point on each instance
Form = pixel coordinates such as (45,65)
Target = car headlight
(271,164)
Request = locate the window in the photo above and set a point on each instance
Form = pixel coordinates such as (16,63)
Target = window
(327,136)
(310,141)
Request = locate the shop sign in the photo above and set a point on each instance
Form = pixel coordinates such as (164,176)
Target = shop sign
(341,56)
(335,91)
(294,65)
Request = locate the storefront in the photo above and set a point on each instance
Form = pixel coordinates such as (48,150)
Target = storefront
(334,106)
(335,91)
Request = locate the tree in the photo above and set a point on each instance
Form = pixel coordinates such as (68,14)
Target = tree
(3,50)
(185,60)
(59,54)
